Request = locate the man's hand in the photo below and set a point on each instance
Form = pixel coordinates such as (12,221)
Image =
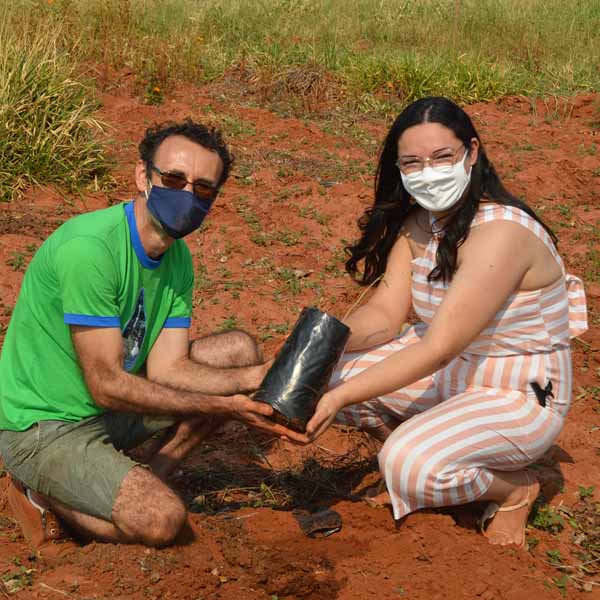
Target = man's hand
(327,409)
(256,413)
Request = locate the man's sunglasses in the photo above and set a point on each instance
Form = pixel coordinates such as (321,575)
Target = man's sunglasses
(177,181)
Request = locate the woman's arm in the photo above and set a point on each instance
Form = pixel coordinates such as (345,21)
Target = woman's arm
(494,260)
(380,319)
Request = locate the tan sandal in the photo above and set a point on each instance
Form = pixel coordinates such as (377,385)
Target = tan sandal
(492,508)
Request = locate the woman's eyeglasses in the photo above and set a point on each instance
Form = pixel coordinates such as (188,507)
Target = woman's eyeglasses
(441,159)
(177,181)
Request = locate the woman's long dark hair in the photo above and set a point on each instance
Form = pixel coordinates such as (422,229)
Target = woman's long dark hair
(381,224)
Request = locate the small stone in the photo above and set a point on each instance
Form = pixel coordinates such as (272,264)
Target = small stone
(155,577)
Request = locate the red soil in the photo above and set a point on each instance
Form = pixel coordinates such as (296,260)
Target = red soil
(305,183)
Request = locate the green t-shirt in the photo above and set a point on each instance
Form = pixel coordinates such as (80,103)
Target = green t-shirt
(91,271)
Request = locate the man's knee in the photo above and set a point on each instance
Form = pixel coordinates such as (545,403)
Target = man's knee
(148,511)
(244,347)
(232,349)
(165,526)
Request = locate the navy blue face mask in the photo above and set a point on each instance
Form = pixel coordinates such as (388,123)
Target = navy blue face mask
(178,211)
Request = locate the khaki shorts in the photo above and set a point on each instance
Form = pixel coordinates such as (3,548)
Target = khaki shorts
(80,464)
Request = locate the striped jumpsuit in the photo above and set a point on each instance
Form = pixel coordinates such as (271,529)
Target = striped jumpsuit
(480,411)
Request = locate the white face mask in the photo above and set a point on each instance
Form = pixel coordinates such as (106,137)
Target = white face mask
(440,188)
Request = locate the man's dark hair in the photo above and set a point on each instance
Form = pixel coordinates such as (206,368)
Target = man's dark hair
(207,137)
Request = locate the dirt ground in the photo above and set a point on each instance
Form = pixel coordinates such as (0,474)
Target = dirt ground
(273,244)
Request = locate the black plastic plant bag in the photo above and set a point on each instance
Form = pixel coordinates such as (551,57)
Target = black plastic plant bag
(302,369)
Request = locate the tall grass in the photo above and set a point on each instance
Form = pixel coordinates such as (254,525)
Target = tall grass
(46,123)
(374,50)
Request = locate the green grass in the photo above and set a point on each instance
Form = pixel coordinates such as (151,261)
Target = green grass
(370,53)
(546,518)
(47,128)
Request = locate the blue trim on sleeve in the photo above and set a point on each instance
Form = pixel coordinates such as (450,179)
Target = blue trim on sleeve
(92,320)
(145,260)
(177,323)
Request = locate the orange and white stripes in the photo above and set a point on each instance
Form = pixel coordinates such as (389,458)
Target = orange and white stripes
(480,412)
(534,321)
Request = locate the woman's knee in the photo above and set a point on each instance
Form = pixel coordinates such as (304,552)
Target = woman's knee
(400,458)
(416,473)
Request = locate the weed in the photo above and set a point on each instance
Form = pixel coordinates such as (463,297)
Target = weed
(546,518)
(524,147)
(268,331)
(17,261)
(228,324)
(293,282)
(224,272)
(592,270)
(202,282)
(586,492)
(310,212)
(584,520)
(554,556)
(582,150)
(246,212)
(18,580)
(243,173)
(234,126)
(153,93)
(287,237)
(532,543)
(561,584)
(230,286)
(260,239)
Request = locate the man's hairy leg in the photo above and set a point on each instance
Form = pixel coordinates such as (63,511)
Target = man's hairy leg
(221,351)
(226,350)
(145,511)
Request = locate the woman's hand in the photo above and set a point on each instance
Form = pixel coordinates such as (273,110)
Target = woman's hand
(328,407)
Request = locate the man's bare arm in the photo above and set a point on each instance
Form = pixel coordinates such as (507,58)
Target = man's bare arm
(101,356)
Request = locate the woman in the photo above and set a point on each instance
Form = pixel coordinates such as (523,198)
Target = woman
(479,389)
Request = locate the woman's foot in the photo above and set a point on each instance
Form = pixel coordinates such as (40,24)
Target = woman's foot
(508,520)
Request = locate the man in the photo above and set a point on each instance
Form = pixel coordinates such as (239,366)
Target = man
(97,358)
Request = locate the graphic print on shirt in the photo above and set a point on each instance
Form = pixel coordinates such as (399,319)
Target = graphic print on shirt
(134,333)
